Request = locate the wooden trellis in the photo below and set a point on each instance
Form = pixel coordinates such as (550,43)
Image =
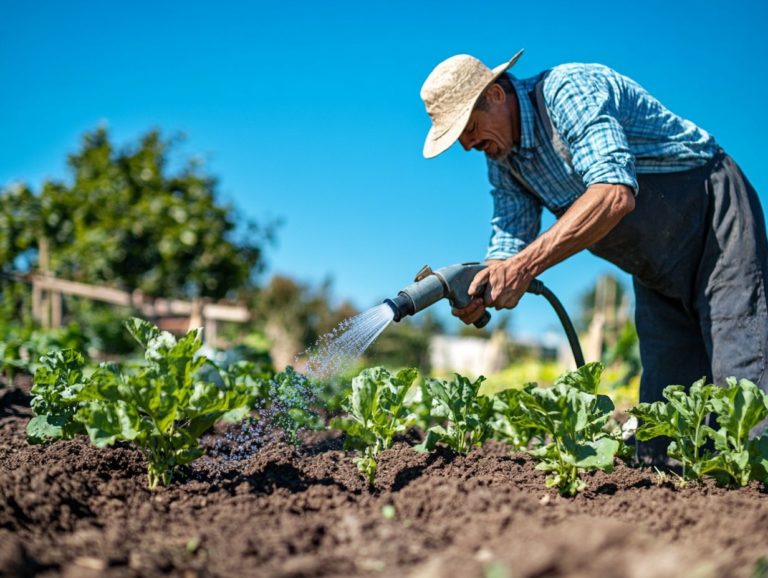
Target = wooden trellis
(47,292)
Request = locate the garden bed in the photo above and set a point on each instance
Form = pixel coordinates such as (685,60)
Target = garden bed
(70,509)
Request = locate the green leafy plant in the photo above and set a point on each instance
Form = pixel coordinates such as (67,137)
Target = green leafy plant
(727,454)
(56,397)
(419,401)
(739,407)
(250,378)
(574,421)
(506,425)
(682,418)
(465,416)
(162,408)
(376,412)
(289,401)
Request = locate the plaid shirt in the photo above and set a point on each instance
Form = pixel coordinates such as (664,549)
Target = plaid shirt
(612,129)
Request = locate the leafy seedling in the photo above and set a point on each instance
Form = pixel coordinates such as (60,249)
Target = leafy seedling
(683,419)
(56,397)
(727,453)
(376,412)
(163,408)
(572,417)
(506,427)
(465,417)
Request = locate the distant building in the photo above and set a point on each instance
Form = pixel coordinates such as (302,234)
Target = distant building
(469,356)
(475,356)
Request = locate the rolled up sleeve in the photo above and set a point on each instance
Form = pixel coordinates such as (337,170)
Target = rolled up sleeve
(584,108)
(516,216)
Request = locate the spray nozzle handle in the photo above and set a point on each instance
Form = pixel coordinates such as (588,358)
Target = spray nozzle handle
(484,294)
(536,287)
(483,321)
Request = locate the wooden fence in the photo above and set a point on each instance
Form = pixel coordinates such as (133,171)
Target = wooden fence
(47,292)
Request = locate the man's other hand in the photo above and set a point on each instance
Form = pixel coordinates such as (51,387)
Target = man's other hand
(471,312)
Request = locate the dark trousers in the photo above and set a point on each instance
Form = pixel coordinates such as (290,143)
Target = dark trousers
(696,247)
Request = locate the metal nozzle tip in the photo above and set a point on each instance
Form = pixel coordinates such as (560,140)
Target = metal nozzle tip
(394,308)
(401,306)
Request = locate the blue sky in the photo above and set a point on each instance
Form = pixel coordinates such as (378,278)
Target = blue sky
(310,111)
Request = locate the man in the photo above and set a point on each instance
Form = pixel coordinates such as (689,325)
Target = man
(628,180)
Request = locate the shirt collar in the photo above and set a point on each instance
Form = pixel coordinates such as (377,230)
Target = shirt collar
(527,120)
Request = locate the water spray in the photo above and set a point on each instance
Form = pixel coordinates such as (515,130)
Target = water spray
(453,283)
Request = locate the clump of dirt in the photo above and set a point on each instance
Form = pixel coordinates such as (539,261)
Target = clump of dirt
(69,509)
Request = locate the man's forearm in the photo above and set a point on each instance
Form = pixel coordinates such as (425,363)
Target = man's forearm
(588,220)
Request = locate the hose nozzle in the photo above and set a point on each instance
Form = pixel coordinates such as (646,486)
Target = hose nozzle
(430,286)
(453,282)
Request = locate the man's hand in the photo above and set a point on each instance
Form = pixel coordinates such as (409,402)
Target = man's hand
(502,283)
(499,285)
(471,312)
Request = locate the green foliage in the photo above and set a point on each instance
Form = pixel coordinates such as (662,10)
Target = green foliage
(20,224)
(125,219)
(377,411)
(506,425)
(333,390)
(465,416)
(288,403)
(727,454)
(683,419)
(522,371)
(56,397)
(102,324)
(419,401)
(22,347)
(250,378)
(739,407)
(13,359)
(573,419)
(163,408)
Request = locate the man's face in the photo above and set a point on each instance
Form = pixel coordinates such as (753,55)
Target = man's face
(491,129)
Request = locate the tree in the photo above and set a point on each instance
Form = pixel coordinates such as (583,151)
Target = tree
(20,225)
(126,220)
(293,315)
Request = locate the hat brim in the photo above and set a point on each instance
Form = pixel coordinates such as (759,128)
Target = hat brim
(439,141)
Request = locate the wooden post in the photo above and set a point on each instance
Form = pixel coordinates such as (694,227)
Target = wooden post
(43,265)
(45,309)
(594,346)
(210,332)
(55,309)
(37,296)
(196,315)
(610,301)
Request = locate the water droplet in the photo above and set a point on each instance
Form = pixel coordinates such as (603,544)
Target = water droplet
(339,348)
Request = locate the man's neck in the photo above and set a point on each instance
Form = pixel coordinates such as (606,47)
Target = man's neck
(514,116)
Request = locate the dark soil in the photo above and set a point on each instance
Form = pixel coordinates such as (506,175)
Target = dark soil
(69,509)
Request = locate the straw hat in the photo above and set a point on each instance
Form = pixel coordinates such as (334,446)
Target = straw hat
(450,93)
